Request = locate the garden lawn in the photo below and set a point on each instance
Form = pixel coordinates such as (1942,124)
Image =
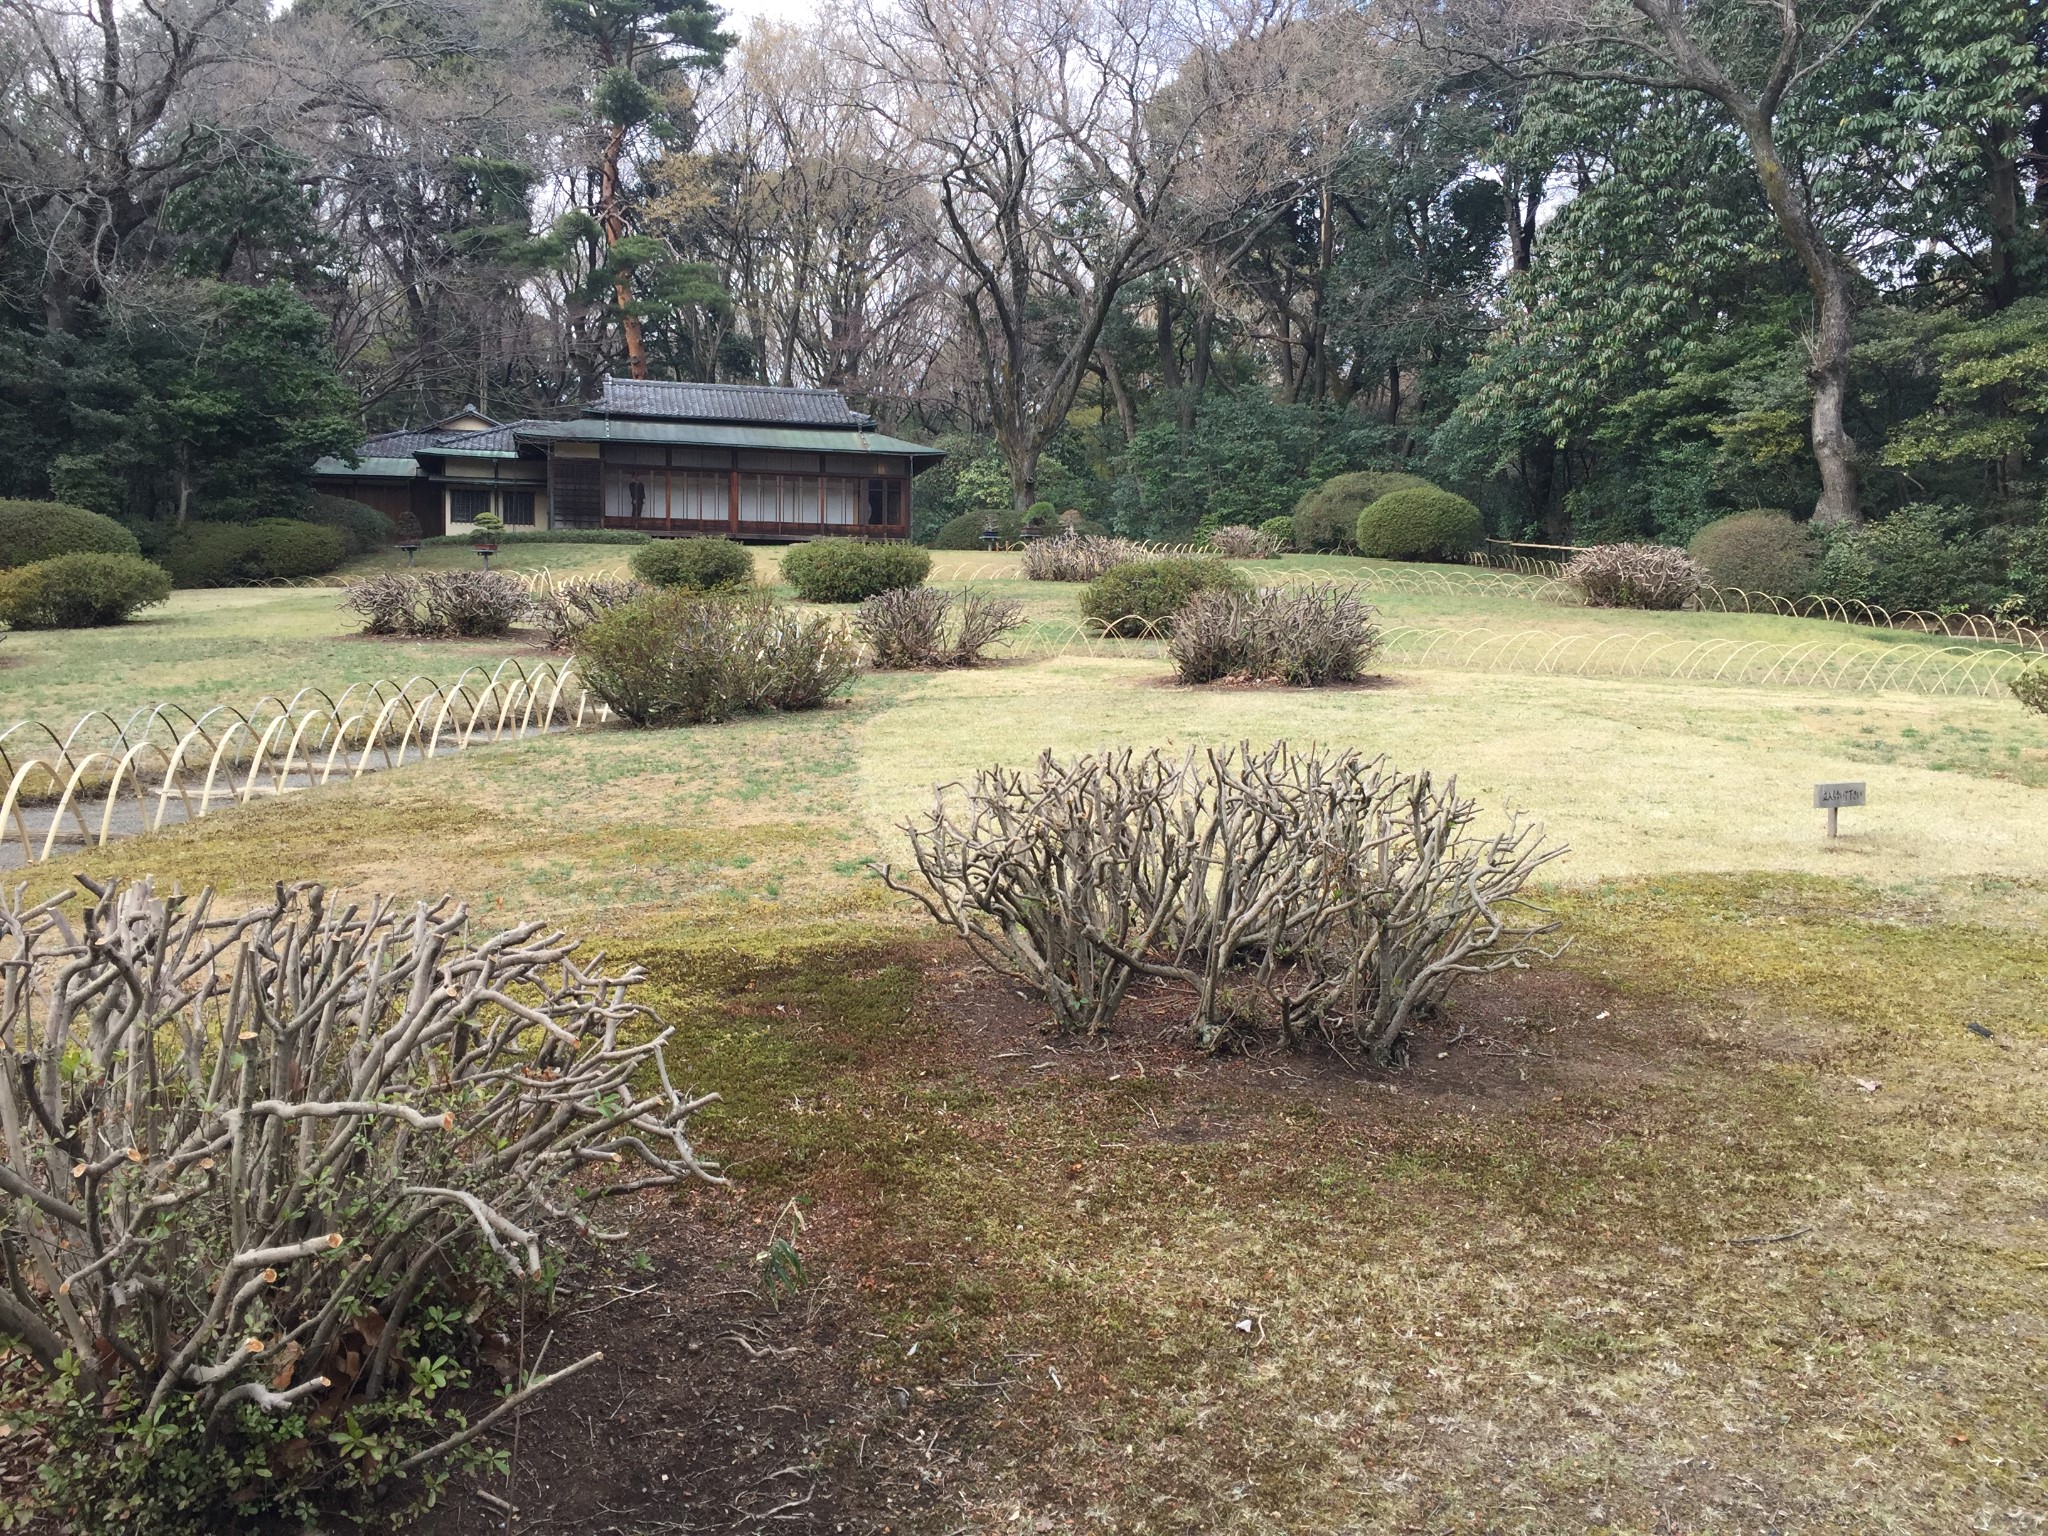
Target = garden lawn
(1726,1221)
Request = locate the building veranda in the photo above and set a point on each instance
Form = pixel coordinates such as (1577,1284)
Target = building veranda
(745,461)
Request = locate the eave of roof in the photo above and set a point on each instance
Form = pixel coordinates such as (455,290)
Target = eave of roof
(369,468)
(704,434)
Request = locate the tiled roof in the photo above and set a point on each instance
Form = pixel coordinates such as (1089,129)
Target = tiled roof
(764,404)
(723,434)
(397,445)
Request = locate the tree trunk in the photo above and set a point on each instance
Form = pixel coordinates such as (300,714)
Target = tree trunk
(611,201)
(1113,376)
(1203,355)
(2002,210)
(1827,370)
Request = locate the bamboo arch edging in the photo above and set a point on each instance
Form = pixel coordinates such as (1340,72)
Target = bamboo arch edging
(225,755)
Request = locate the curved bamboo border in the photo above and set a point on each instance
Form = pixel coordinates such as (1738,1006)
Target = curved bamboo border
(226,754)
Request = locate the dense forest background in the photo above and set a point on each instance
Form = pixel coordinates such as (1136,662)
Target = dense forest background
(1612,268)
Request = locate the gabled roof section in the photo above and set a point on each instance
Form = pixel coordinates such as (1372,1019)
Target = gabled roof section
(468,413)
(765,405)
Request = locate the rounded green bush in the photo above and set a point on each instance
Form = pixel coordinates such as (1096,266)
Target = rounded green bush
(1759,551)
(40,530)
(80,591)
(363,529)
(1144,595)
(1280,530)
(848,571)
(1421,523)
(1326,519)
(694,565)
(2031,687)
(964,531)
(219,554)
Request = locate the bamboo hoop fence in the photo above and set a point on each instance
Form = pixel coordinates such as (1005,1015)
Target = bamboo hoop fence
(163,758)
(1955,671)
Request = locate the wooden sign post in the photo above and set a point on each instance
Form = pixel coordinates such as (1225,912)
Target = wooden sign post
(1832,797)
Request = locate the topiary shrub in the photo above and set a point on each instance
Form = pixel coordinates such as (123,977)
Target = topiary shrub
(1420,523)
(849,571)
(363,529)
(689,658)
(2031,687)
(41,530)
(1326,519)
(276,548)
(964,531)
(1142,597)
(1304,636)
(1652,576)
(694,565)
(1281,531)
(80,591)
(1759,551)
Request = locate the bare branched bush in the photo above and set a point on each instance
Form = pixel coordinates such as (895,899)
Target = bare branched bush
(911,627)
(563,609)
(1320,895)
(1634,576)
(1305,636)
(431,605)
(1078,556)
(1234,542)
(228,1138)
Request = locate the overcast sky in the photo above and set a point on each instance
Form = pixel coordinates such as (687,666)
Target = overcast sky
(740,12)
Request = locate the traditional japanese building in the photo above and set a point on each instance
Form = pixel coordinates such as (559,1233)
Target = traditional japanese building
(748,461)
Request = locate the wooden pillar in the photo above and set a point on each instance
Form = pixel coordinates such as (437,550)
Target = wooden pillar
(733,505)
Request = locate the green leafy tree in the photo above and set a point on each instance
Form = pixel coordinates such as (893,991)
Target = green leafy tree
(640,55)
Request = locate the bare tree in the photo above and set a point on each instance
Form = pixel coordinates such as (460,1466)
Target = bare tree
(1057,137)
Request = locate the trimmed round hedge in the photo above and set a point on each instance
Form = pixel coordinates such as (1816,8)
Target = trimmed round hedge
(80,591)
(272,549)
(849,571)
(694,565)
(1422,523)
(1326,519)
(363,529)
(1759,551)
(1143,596)
(41,530)
(1280,530)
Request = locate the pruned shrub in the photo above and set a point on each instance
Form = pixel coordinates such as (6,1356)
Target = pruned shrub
(1759,552)
(2031,687)
(363,529)
(432,605)
(1077,557)
(273,548)
(1281,531)
(1141,597)
(1304,636)
(80,591)
(1326,519)
(1234,542)
(913,627)
(42,530)
(1290,891)
(694,565)
(264,1166)
(965,530)
(851,571)
(687,658)
(565,607)
(1634,576)
(1925,557)
(1419,523)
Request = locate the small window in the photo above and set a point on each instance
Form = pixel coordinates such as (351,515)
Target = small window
(463,506)
(518,507)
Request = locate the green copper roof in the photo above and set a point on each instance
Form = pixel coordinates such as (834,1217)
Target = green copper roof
(369,469)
